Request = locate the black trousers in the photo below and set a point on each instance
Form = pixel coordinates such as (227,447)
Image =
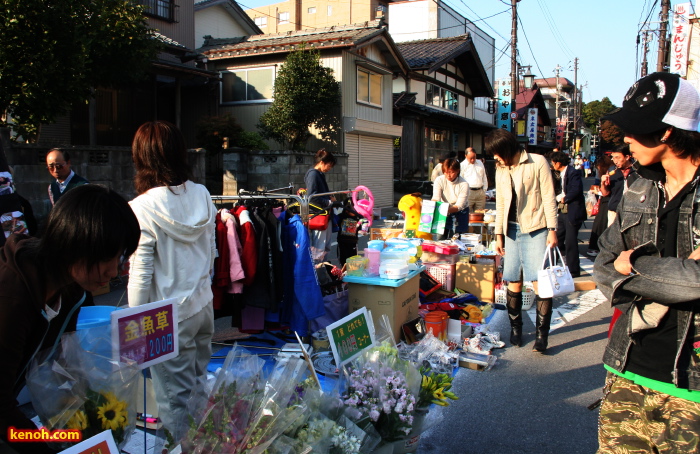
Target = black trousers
(567,241)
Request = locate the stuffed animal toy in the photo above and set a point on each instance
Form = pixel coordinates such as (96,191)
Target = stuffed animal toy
(411,204)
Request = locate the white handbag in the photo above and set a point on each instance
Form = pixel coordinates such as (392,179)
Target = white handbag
(554,280)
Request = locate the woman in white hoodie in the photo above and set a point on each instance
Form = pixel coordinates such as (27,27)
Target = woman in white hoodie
(174,259)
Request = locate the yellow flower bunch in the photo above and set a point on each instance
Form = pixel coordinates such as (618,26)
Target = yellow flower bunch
(112,414)
(435,389)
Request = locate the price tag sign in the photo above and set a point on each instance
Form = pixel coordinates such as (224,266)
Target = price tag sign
(351,335)
(102,443)
(146,334)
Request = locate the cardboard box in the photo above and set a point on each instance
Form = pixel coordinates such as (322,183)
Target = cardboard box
(400,304)
(384,234)
(479,279)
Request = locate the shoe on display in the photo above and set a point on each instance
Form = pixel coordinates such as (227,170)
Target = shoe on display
(592,253)
(478,344)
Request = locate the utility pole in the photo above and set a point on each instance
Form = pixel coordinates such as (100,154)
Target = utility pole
(514,88)
(662,59)
(645,67)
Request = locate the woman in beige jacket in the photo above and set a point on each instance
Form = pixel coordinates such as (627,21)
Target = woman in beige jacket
(526,222)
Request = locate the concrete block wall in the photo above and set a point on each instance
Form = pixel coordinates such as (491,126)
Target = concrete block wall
(272,169)
(109,166)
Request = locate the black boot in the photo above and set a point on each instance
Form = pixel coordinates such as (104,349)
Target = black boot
(544,318)
(514,304)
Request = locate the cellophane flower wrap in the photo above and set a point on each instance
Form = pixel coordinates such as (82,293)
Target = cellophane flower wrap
(76,387)
(324,428)
(384,389)
(249,406)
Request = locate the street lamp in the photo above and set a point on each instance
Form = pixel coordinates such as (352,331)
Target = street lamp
(528,79)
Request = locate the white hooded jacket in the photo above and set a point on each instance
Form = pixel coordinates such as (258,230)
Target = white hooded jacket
(177,248)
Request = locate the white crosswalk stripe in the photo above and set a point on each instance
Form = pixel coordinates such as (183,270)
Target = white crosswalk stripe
(578,303)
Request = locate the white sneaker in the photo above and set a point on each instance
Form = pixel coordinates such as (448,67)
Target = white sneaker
(478,344)
(592,253)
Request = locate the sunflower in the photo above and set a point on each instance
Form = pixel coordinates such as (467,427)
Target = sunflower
(78,421)
(113,413)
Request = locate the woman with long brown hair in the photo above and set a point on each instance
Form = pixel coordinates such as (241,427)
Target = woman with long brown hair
(173,260)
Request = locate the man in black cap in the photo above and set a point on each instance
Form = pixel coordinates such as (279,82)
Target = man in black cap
(618,179)
(649,269)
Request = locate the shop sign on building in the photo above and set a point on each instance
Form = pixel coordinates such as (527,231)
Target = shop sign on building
(561,123)
(680,38)
(531,130)
(146,334)
(504,96)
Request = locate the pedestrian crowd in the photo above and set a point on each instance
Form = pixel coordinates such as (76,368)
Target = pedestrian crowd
(645,240)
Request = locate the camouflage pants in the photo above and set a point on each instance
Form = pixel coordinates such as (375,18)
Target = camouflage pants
(635,419)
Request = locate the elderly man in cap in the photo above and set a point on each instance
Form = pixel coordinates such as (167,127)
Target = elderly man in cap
(648,269)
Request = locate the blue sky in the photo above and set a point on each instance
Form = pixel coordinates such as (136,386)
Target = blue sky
(601,33)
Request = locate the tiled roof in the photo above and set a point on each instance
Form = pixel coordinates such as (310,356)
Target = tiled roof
(552,82)
(338,36)
(426,52)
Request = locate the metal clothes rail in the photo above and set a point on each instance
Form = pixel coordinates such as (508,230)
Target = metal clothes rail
(271,194)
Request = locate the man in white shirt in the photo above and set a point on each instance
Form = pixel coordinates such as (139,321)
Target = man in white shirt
(473,171)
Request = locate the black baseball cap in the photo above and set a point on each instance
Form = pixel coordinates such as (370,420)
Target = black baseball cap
(656,102)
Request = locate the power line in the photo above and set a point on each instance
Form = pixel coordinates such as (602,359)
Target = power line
(528,45)
(648,16)
(556,34)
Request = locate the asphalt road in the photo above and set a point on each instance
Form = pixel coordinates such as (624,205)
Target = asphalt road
(528,402)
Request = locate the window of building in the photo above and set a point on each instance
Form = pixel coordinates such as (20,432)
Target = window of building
(369,87)
(441,97)
(311,10)
(261,21)
(330,10)
(163,9)
(248,85)
(283,18)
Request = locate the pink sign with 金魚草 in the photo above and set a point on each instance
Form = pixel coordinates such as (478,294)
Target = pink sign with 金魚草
(146,334)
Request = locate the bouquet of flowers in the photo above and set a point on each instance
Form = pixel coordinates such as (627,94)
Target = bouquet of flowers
(76,388)
(248,407)
(384,388)
(435,388)
(324,428)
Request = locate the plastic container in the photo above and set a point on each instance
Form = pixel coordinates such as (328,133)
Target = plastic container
(434,257)
(377,245)
(393,269)
(94,316)
(440,248)
(394,254)
(374,258)
(436,321)
(356,265)
(443,273)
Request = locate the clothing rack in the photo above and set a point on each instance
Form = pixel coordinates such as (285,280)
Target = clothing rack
(270,194)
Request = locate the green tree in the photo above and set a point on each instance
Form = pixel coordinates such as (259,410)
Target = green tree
(594,110)
(610,135)
(306,94)
(54,52)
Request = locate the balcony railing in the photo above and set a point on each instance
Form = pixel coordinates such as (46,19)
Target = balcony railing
(162,9)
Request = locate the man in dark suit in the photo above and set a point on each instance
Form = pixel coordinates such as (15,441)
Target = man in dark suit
(572,210)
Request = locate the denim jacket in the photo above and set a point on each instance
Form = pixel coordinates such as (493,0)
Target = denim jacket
(666,280)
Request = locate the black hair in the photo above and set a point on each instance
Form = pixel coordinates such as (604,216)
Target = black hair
(89,224)
(64,153)
(502,143)
(325,157)
(624,149)
(685,144)
(560,157)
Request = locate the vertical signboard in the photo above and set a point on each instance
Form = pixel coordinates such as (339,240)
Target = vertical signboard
(146,334)
(351,335)
(504,94)
(531,126)
(560,132)
(679,39)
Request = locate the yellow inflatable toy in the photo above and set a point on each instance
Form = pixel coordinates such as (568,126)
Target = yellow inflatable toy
(411,204)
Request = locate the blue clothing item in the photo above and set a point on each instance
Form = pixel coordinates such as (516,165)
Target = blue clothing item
(524,254)
(303,300)
(457,223)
